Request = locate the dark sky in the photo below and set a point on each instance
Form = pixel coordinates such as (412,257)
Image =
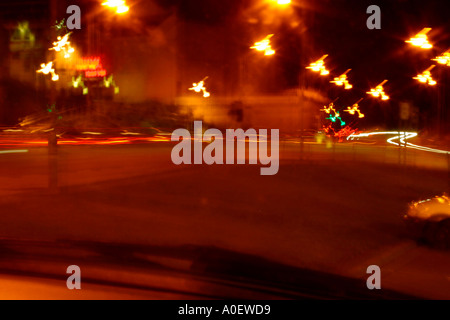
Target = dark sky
(334,27)
(338,28)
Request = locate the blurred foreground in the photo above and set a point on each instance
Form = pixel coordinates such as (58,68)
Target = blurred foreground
(336,210)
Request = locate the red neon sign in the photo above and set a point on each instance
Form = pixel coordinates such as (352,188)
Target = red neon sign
(92,67)
(95,73)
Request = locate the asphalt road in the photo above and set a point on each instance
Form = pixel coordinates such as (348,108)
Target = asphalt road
(336,210)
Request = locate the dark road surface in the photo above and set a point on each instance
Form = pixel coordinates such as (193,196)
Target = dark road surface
(331,212)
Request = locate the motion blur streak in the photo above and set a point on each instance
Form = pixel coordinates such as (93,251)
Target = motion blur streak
(402,137)
(13,151)
(93,133)
(86,141)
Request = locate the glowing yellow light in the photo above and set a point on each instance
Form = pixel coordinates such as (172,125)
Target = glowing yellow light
(13,151)
(119,5)
(319,66)
(426,78)
(353,110)
(23,33)
(329,109)
(443,58)
(264,46)
(283,2)
(378,92)
(78,82)
(342,80)
(421,39)
(108,82)
(200,87)
(48,69)
(63,44)
(122,9)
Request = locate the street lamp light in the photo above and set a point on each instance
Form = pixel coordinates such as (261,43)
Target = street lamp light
(48,69)
(355,109)
(264,46)
(426,78)
(329,109)
(119,5)
(319,66)
(444,58)
(200,87)
(421,39)
(282,2)
(378,92)
(342,80)
(63,44)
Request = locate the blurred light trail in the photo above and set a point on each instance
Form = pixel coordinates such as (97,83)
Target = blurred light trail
(13,151)
(92,133)
(264,46)
(119,5)
(421,39)
(341,134)
(378,92)
(426,78)
(63,44)
(402,137)
(319,66)
(443,58)
(335,118)
(85,141)
(342,80)
(329,109)
(353,110)
(48,69)
(126,133)
(200,87)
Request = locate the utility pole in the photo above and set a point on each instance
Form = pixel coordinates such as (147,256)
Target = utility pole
(52,140)
(52,135)
(302,85)
(440,101)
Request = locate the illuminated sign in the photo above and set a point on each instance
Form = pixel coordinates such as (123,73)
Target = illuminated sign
(92,67)
(95,74)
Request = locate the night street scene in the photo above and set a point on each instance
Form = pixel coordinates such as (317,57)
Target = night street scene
(224,150)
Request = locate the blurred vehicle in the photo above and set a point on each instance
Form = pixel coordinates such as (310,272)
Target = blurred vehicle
(430,219)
